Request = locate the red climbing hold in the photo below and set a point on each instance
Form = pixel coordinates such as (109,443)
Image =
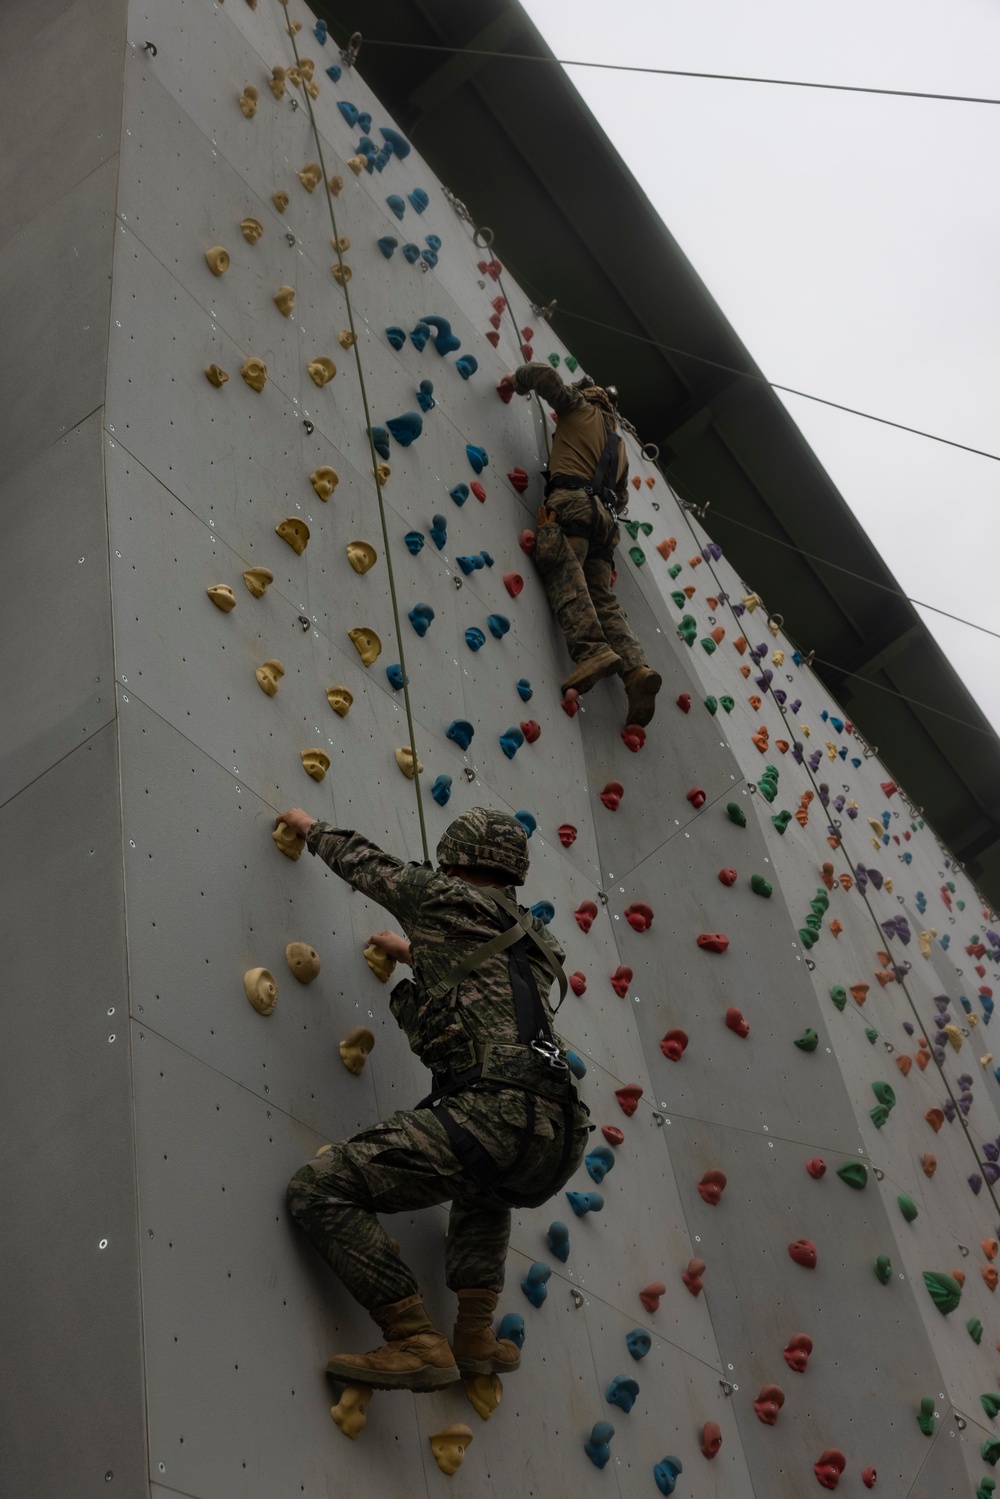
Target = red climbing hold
(816,1167)
(612,1134)
(567,834)
(711,1187)
(633,737)
(495,321)
(612,795)
(768,1404)
(531,730)
(571,702)
(527,334)
(868,1477)
(736,1022)
(713,942)
(803,1252)
(684,702)
(585,915)
(499,304)
(692,1276)
(889,787)
(650,1295)
(829,1468)
(620,980)
(674,1044)
(494,339)
(711,1438)
(513,582)
(478,490)
(578,983)
(505,390)
(797,1351)
(628,1100)
(528,353)
(639,916)
(519,479)
(697,797)
(728,876)
(527,542)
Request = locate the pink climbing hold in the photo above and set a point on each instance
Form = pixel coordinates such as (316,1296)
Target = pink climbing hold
(692,1276)
(571,702)
(628,1101)
(513,582)
(519,479)
(478,490)
(736,1022)
(868,1477)
(505,390)
(816,1167)
(494,338)
(650,1295)
(639,916)
(803,1252)
(612,1134)
(612,795)
(527,542)
(696,797)
(684,702)
(567,834)
(889,787)
(531,730)
(620,980)
(829,1468)
(585,914)
(578,983)
(711,1439)
(797,1351)
(711,1187)
(713,942)
(633,737)
(674,1045)
(728,876)
(768,1404)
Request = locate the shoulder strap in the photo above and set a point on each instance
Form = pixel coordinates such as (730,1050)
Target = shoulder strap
(521,928)
(602,473)
(525,922)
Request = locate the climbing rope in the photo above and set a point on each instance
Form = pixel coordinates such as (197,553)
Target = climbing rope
(375,458)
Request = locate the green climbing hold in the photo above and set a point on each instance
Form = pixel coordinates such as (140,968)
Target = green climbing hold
(712,705)
(839,996)
(736,814)
(688,628)
(884,1094)
(678,598)
(633,527)
(760,886)
(728,703)
(806,937)
(990,1404)
(708,645)
(572,364)
(872,1034)
(554,361)
(814,923)
(991,1450)
(951,885)
(878,1115)
(986,1488)
(854,1173)
(944,1289)
(820,903)
(883,1269)
(975,1329)
(675,571)
(907,1207)
(638,555)
(781,821)
(808,1041)
(960,904)
(925,1416)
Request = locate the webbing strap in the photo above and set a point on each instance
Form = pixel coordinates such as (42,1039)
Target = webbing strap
(602,473)
(552,962)
(522,928)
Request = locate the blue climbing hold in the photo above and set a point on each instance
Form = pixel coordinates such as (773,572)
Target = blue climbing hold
(599,1162)
(444,340)
(397,205)
(406,428)
(512,1328)
(623,1391)
(498,624)
(585,1202)
(666,1473)
(467,366)
(399,143)
(533,1285)
(418,200)
(319,32)
(396,679)
(528,823)
(475,640)
(334,73)
(364,122)
(349,111)
(524,690)
(638,1342)
(544,910)
(412,254)
(397,337)
(425,396)
(429,257)
(459,493)
(434,241)
(510,742)
(420,617)
(387,244)
(487,558)
(380,439)
(557,1239)
(414,541)
(576,1064)
(470,564)
(441,790)
(439,531)
(419,336)
(478,457)
(597,1445)
(460,732)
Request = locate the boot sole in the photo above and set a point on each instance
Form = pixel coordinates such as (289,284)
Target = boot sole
(469,1368)
(597,673)
(420,1381)
(643,705)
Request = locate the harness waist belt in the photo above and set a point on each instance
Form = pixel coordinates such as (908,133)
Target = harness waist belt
(511,1066)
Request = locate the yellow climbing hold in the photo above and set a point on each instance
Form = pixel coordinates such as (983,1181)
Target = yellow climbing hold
(366,643)
(382,472)
(355,1047)
(288,841)
(351,1411)
(284,300)
(280,200)
(324,480)
(321,370)
(361,555)
(406,763)
(216,375)
(346,339)
(257,580)
(217,260)
(276,83)
(485,1392)
(303,961)
(311,176)
(260,989)
(222,596)
(357,164)
(248,101)
(341,274)
(295,532)
(251,230)
(379,962)
(254,372)
(268,676)
(449,1445)
(340,700)
(315,763)
(954,1036)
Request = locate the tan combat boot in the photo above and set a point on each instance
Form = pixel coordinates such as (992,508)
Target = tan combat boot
(415,1357)
(477,1348)
(642,684)
(590,672)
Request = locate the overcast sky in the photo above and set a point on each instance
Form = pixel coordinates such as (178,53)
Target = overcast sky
(852,241)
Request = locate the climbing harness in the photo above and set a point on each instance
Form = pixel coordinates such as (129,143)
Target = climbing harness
(534,1065)
(596,531)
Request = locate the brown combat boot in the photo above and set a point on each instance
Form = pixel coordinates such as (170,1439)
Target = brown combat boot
(590,672)
(415,1357)
(642,684)
(476,1347)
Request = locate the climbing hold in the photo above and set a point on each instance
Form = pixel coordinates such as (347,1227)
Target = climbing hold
(284,300)
(769,1403)
(478,491)
(628,1098)
(944,1290)
(529,824)
(711,1187)
(512,1329)
(578,983)
(460,732)
(859,993)
(543,909)
(222,596)
(321,370)
(414,542)
(511,741)
(596,1446)
(665,1474)
(441,790)
(387,244)
(990,1277)
(883,1269)
(467,365)
(612,794)
(396,678)
(269,675)
(816,1167)
(639,916)
(254,372)
(406,762)
(475,640)
(696,797)
(934,1117)
(975,1329)
(990,1450)
(260,989)
(711,1439)
(405,429)
(650,1295)
(925,1416)
(713,942)
(638,1342)
(803,1252)
(315,762)
(612,1134)
(907,1207)
(728,876)
(533,1285)
(396,205)
(425,396)
(736,814)
(557,1239)
(736,1022)
(797,1351)
(216,376)
(692,1276)
(623,1392)
(361,555)
(599,1162)
(366,643)
(633,737)
(829,1467)
(325,480)
(990,1404)
(854,1173)
(566,833)
(485,1392)
(379,962)
(513,582)
(478,457)
(420,617)
(620,980)
(760,886)
(585,914)
(449,1446)
(576,1064)
(498,625)
(571,702)
(218,260)
(674,1045)
(295,532)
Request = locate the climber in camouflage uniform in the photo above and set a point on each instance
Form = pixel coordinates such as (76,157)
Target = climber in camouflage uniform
(503,1125)
(577,535)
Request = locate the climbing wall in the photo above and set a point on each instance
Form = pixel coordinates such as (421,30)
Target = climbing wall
(783,1237)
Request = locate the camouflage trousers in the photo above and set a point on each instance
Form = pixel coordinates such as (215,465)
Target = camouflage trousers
(407,1162)
(576,572)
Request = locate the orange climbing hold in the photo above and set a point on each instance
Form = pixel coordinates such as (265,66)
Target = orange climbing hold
(859,993)
(782,746)
(690,591)
(846,881)
(935,1118)
(836,927)
(989,1248)
(745,671)
(760,739)
(636,481)
(991,1277)
(826,873)
(928,1164)
(754,703)
(904,1063)
(884,976)
(666,547)
(718,634)
(740,644)
(695,561)
(922,1059)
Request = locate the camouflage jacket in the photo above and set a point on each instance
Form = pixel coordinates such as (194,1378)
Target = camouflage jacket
(579,438)
(444,920)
